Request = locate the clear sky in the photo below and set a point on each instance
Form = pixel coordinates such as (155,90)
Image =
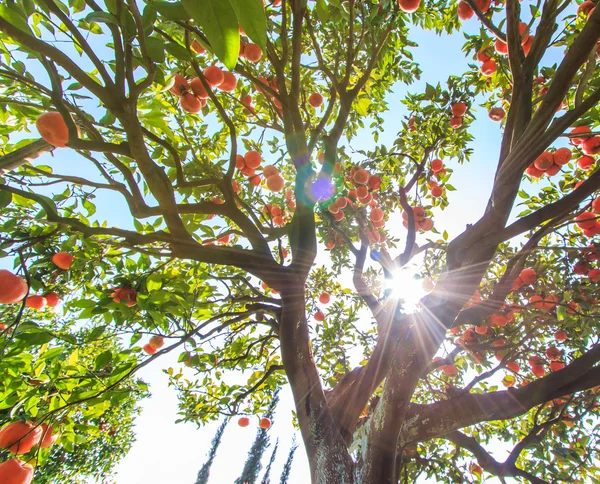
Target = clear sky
(171,453)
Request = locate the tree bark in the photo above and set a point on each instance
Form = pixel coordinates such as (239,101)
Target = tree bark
(329,459)
(23,155)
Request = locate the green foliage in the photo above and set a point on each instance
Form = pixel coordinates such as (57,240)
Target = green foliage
(153,203)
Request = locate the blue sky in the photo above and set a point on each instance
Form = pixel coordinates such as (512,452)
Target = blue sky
(166,452)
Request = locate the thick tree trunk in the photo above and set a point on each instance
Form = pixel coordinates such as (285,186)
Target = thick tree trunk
(327,453)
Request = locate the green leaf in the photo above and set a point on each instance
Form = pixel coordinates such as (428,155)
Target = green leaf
(154,282)
(445,235)
(362,106)
(171,11)
(561,312)
(14,17)
(5,199)
(156,49)
(322,11)
(102,360)
(148,18)
(251,16)
(51,353)
(96,333)
(177,50)
(37,338)
(101,18)
(429,92)
(218,21)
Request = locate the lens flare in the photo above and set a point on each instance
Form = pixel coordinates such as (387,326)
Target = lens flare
(407,288)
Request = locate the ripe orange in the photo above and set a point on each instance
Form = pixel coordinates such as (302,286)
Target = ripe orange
(437,191)
(586,220)
(198,88)
(244,421)
(488,68)
(157,341)
(229,82)
(12,287)
(362,192)
(126,295)
(437,165)
(197,47)
(269,171)
(252,159)
(374,182)
(214,76)
(15,471)
(19,437)
(450,370)
(538,370)
(265,423)
(591,146)
(528,276)
(409,6)
(553,353)
(253,53)
(459,109)
(52,299)
(180,86)
(275,183)
(496,114)
(324,298)
(63,260)
(464,10)
(456,122)
(585,162)
(361,176)
(148,348)
(319,316)
(48,437)
(190,103)
(544,161)
(376,214)
(579,130)
(484,5)
(315,100)
(53,129)
(426,224)
(36,302)
(562,156)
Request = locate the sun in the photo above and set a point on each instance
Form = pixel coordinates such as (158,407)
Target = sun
(407,288)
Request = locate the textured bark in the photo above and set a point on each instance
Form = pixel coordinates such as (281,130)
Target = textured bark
(23,155)
(327,453)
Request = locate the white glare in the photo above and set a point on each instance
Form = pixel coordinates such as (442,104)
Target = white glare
(407,288)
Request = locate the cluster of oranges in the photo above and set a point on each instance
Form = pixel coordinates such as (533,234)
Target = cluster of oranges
(471,335)
(324,298)
(19,438)
(422,222)
(193,96)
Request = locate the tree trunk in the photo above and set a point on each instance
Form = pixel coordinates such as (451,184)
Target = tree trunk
(327,453)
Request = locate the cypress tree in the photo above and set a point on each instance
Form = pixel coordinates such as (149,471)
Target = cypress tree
(285,475)
(266,478)
(204,473)
(253,464)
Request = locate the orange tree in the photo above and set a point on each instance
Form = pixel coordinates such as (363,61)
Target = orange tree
(232,179)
